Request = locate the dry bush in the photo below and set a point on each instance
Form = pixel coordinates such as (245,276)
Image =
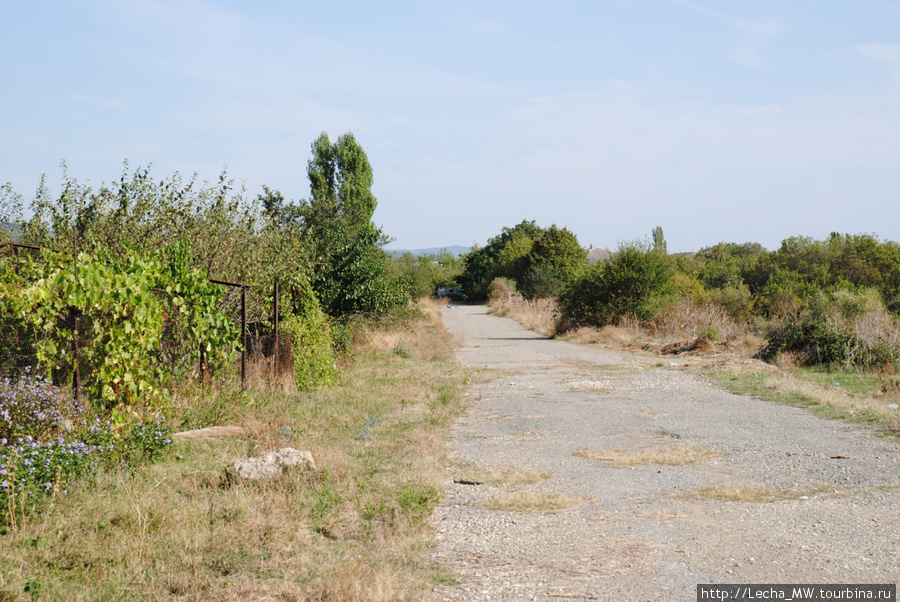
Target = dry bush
(501,289)
(538,315)
(688,319)
(746,343)
(877,326)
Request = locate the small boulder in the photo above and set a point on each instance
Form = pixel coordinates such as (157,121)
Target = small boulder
(270,465)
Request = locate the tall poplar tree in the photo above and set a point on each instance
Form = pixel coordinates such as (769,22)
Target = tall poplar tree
(350,269)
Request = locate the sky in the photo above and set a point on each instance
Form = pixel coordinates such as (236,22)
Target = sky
(720,121)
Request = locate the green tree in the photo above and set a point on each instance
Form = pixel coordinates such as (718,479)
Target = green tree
(540,260)
(555,260)
(659,241)
(350,272)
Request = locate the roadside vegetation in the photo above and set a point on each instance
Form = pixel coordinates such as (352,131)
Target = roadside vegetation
(812,311)
(133,291)
(355,528)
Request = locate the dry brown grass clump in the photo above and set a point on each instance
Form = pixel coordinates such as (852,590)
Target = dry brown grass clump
(689,319)
(740,493)
(423,337)
(673,455)
(505,478)
(535,502)
(538,315)
(626,334)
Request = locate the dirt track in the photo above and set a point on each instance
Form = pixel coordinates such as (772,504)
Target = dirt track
(641,534)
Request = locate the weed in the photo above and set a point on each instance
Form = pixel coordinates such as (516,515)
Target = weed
(856,397)
(506,478)
(534,502)
(738,493)
(672,455)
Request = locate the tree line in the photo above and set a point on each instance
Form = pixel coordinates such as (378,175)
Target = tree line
(826,301)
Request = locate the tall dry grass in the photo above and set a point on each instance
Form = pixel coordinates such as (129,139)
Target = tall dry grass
(690,319)
(353,529)
(538,315)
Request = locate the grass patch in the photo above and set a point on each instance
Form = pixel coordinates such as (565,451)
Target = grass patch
(859,398)
(505,478)
(532,503)
(672,455)
(738,493)
(355,528)
(853,383)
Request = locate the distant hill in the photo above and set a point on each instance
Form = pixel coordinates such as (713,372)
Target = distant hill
(455,250)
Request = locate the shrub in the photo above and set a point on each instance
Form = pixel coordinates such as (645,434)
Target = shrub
(635,282)
(736,299)
(312,345)
(426,273)
(850,328)
(540,260)
(502,289)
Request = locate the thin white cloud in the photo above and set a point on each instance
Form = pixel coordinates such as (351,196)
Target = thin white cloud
(748,50)
(886,53)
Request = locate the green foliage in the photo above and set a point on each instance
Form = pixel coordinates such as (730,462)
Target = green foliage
(556,258)
(11,205)
(426,273)
(737,300)
(843,328)
(312,342)
(353,276)
(727,264)
(124,315)
(659,241)
(541,260)
(636,282)
(349,270)
(140,214)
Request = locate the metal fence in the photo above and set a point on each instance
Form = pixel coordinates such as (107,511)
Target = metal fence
(265,353)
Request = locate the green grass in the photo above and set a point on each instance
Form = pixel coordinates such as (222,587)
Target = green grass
(855,383)
(754,383)
(858,399)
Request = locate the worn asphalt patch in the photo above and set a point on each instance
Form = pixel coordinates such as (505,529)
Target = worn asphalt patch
(640,534)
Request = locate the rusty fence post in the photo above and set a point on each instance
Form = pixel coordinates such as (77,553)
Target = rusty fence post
(76,378)
(243,336)
(277,326)
(203,365)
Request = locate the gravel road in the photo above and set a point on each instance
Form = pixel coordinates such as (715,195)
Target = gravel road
(641,532)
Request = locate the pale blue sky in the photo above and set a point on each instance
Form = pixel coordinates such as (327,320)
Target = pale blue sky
(719,121)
